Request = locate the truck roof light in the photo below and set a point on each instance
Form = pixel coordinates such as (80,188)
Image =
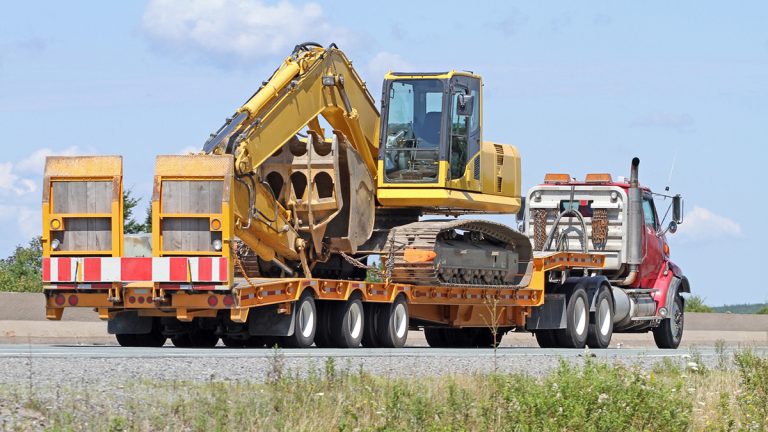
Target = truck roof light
(598,178)
(557,178)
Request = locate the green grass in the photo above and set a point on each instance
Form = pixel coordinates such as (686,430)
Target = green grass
(672,396)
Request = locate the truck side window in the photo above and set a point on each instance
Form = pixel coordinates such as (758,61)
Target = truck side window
(649,212)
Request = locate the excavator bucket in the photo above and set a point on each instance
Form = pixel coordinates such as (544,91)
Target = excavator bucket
(83,206)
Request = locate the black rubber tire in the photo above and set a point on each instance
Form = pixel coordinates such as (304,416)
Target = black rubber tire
(323,333)
(460,337)
(435,337)
(344,315)
(231,342)
(484,338)
(370,331)
(577,321)
(255,342)
(601,326)
(391,324)
(546,338)
(203,338)
(665,335)
(127,340)
(181,340)
(304,323)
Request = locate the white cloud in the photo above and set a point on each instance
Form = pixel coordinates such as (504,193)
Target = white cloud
(35,162)
(10,182)
(243,29)
(380,64)
(701,224)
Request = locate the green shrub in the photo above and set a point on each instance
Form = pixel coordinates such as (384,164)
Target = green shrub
(753,399)
(763,310)
(695,303)
(22,271)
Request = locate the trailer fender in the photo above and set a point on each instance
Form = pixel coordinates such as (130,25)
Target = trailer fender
(550,315)
(129,322)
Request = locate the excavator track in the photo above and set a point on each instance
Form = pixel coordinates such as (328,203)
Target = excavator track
(461,253)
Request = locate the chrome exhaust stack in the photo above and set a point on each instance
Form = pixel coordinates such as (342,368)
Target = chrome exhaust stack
(634,225)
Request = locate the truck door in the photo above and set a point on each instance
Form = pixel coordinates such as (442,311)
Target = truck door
(652,244)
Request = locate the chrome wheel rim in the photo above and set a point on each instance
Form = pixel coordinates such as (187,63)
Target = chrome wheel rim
(401,320)
(604,317)
(355,320)
(580,316)
(306,319)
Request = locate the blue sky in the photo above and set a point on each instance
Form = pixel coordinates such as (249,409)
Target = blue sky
(577,87)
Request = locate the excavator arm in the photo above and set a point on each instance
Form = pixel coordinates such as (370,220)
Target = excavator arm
(288,191)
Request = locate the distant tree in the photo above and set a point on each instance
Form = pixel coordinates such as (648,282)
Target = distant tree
(763,310)
(130,225)
(22,270)
(696,304)
(148,219)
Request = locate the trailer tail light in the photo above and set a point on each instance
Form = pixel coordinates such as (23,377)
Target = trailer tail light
(73,300)
(229,300)
(131,299)
(59,300)
(213,301)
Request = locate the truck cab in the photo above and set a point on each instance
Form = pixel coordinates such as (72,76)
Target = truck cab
(595,215)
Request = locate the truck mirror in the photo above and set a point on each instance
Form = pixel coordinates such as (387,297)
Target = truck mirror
(521,213)
(672,227)
(677,209)
(465,104)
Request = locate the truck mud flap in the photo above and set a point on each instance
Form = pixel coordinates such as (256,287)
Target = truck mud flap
(129,322)
(550,315)
(266,321)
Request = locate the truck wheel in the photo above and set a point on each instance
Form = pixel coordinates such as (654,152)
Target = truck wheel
(435,337)
(347,322)
(577,321)
(546,338)
(392,324)
(202,338)
(255,342)
(231,342)
(127,339)
(323,333)
(305,323)
(484,338)
(601,328)
(181,341)
(371,328)
(670,332)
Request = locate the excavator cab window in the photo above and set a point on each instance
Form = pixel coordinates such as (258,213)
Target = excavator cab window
(465,123)
(414,115)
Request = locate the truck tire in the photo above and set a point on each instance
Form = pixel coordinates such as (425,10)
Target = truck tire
(484,338)
(304,323)
(670,332)
(203,338)
(323,333)
(577,321)
(435,337)
(601,327)
(181,341)
(347,323)
(127,340)
(391,324)
(546,338)
(231,342)
(371,330)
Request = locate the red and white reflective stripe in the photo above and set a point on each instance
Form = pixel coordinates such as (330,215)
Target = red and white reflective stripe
(154,269)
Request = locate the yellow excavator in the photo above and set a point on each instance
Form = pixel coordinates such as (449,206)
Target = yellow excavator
(285,196)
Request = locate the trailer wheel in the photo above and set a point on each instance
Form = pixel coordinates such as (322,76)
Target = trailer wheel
(127,339)
(370,331)
(546,338)
(231,342)
(670,332)
(323,333)
(435,337)
(305,323)
(601,328)
(577,321)
(203,338)
(347,323)
(181,341)
(392,324)
(484,338)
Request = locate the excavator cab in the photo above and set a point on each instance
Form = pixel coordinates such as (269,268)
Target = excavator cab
(431,152)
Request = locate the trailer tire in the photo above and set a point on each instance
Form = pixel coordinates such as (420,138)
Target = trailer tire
(323,333)
(231,342)
(435,337)
(484,338)
(347,323)
(391,329)
(304,323)
(203,338)
(670,332)
(127,339)
(181,341)
(577,320)
(370,332)
(546,338)
(601,327)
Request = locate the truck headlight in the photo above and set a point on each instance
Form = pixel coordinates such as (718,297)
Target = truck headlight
(217,245)
(55,244)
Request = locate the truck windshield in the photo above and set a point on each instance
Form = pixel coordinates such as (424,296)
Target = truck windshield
(413,131)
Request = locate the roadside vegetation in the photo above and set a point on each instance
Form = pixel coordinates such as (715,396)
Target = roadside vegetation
(679,394)
(696,303)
